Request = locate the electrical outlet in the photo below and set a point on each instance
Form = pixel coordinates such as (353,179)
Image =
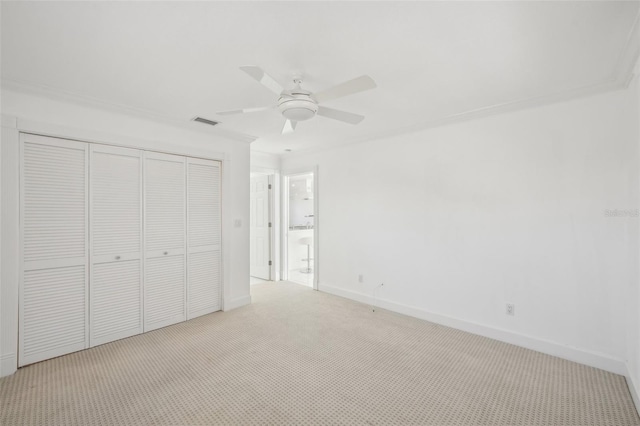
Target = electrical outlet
(360,278)
(511,309)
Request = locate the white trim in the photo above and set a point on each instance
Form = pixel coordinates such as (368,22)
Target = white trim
(619,79)
(109,149)
(9,291)
(623,72)
(226,230)
(186,240)
(271,190)
(236,303)
(8,364)
(58,142)
(275,244)
(38,128)
(316,229)
(86,101)
(634,390)
(284,223)
(274,213)
(143,242)
(590,358)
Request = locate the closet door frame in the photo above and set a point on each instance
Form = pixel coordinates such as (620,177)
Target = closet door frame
(23,127)
(131,152)
(44,264)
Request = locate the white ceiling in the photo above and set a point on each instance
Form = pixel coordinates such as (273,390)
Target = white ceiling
(431,60)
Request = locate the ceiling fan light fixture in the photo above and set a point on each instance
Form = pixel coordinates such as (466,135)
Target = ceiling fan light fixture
(298,114)
(297,107)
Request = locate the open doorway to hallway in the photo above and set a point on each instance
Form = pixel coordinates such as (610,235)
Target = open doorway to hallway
(300,225)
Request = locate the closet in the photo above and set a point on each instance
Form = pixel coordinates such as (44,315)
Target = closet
(165,224)
(115,302)
(114,242)
(203,237)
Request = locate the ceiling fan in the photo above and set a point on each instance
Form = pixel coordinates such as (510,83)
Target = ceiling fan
(298,104)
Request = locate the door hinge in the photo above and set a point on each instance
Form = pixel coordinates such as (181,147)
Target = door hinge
(269,224)
(269,186)
(269,263)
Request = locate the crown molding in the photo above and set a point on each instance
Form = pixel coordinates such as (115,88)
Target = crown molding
(488,111)
(625,67)
(88,101)
(620,78)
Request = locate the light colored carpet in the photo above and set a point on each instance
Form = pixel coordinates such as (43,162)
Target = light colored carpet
(296,356)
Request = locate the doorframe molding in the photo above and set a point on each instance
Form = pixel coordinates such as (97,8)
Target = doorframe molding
(274,216)
(9,228)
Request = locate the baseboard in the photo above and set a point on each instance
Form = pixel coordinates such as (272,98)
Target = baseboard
(592,359)
(634,389)
(236,303)
(8,364)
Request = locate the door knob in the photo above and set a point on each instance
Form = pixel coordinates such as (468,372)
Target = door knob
(117,257)
(166,252)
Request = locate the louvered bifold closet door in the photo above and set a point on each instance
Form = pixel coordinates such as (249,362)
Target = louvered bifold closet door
(54,248)
(203,237)
(116,243)
(164,236)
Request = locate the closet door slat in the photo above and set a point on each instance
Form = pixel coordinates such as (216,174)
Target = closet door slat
(116,243)
(54,241)
(204,237)
(164,235)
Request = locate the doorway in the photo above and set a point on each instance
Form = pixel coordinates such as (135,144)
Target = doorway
(261,227)
(300,227)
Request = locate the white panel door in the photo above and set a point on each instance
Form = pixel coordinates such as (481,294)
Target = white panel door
(54,248)
(164,239)
(204,237)
(259,230)
(116,243)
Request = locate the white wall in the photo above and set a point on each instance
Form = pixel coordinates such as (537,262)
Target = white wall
(45,115)
(633,335)
(458,220)
(263,160)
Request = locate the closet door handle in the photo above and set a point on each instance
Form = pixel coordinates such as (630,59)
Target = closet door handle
(117,257)
(166,252)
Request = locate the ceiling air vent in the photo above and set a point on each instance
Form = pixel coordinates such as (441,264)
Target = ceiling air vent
(206,121)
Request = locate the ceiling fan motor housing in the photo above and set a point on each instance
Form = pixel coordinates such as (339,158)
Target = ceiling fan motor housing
(297,105)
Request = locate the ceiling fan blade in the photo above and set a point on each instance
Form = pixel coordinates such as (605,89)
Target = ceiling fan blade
(350,87)
(336,114)
(260,75)
(245,110)
(289,126)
